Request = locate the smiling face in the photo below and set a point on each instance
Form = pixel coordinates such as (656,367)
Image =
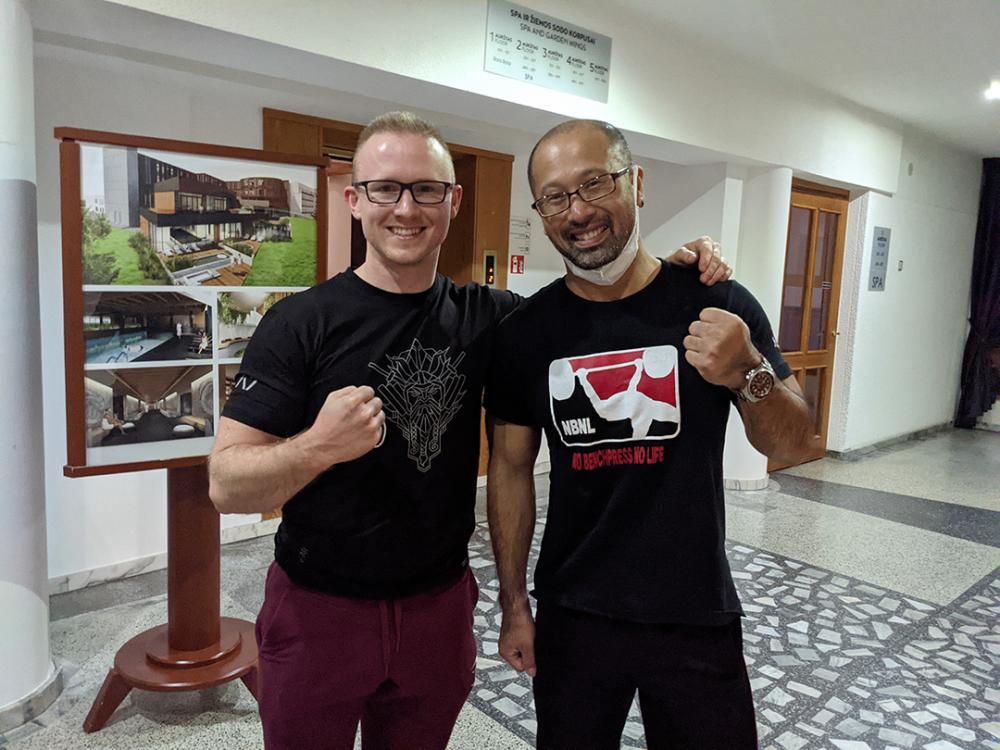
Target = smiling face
(406,235)
(592,234)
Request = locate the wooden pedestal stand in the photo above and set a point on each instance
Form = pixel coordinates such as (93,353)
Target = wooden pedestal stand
(196,648)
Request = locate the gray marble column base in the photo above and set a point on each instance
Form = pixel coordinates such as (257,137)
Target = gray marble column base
(26,709)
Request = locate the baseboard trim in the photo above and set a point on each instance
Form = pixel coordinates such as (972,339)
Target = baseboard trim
(856,454)
(148,563)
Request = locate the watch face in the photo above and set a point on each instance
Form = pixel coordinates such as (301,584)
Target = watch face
(760,384)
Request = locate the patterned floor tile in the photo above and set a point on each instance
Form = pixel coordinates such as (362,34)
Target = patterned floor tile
(834,662)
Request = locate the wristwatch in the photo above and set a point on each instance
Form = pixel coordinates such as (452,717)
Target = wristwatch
(759,382)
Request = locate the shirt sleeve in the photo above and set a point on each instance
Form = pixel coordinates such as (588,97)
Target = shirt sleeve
(508,395)
(271,390)
(506,301)
(744,304)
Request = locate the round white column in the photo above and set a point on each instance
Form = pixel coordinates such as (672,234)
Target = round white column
(760,266)
(30,682)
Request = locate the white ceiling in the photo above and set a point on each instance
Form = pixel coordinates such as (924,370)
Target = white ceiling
(925,62)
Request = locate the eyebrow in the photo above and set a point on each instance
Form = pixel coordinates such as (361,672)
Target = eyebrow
(589,175)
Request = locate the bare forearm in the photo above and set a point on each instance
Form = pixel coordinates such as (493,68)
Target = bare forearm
(779,426)
(510,502)
(260,478)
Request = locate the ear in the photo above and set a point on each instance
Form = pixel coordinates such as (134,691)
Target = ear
(456,199)
(640,176)
(352,196)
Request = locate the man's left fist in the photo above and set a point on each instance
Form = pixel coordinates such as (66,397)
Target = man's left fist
(719,348)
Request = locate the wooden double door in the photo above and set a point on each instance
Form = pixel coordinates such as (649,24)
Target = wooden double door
(807,330)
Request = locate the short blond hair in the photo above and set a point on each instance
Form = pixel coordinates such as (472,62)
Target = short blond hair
(404,123)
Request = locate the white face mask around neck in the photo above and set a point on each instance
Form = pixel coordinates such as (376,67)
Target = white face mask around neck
(611,271)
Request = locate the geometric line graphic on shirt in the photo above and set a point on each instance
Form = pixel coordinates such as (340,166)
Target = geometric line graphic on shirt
(615,397)
(422,392)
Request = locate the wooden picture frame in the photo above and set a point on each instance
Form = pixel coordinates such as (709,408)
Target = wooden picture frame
(245,210)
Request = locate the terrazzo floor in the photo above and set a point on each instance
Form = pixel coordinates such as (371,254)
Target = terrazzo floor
(872,619)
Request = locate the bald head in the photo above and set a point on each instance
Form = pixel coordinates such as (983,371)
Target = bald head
(619,154)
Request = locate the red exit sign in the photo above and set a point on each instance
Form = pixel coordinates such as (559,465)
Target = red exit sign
(517,264)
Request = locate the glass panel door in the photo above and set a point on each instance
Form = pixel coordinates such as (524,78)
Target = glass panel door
(793,293)
(821,286)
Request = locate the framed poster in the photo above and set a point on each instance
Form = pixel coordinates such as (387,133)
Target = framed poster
(172,252)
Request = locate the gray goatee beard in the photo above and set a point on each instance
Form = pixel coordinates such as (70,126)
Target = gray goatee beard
(594,257)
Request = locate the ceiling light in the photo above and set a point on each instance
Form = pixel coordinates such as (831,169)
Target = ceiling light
(993,92)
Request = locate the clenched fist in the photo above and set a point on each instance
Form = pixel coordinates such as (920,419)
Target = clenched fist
(517,640)
(349,425)
(719,348)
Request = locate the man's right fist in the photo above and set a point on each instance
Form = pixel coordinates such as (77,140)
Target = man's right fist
(348,426)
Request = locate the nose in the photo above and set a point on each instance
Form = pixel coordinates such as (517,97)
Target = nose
(406,204)
(580,211)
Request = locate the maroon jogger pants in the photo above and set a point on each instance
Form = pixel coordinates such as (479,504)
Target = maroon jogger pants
(402,668)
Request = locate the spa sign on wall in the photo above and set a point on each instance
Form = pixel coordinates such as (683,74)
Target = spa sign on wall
(545,51)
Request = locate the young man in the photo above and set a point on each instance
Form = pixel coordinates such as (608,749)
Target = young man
(629,366)
(368,607)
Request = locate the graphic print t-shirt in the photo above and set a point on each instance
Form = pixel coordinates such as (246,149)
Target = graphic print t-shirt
(636,521)
(396,521)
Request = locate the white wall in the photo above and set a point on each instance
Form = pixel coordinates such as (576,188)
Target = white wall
(902,347)
(542,264)
(661,85)
(682,203)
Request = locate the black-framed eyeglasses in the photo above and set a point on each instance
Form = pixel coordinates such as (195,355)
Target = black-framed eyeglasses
(591,190)
(387,192)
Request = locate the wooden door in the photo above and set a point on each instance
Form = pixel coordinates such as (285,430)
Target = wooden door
(807,330)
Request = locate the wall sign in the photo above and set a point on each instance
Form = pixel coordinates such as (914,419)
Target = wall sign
(520,235)
(546,51)
(880,259)
(517,264)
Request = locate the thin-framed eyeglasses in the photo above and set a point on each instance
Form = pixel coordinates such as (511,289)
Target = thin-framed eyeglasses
(591,190)
(387,192)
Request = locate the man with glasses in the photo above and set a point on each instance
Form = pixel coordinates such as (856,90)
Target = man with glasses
(630,367)
(357,410)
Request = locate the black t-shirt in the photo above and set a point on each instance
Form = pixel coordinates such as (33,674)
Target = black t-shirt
(636,515)
(396,521)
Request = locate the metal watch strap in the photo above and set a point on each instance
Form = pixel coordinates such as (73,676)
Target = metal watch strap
(744,393)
